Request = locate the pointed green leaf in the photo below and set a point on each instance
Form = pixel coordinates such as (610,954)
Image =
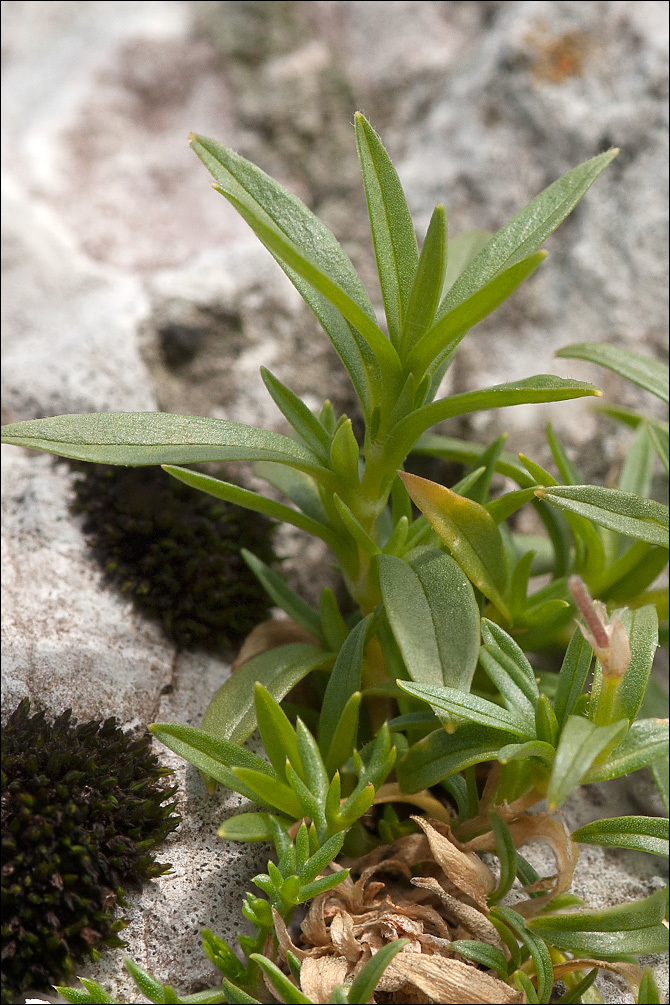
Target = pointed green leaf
(542,388)
(287,991)
(367,980)
(493,634)
(291,254)
(580,744)
(569,473)
(147,984)
(139,438)
(441,755)
(298,415)
(343,683)
(355,528)
(251,501)
(277,733)
(536,945)
(645,743)
(648,993)
(246,827)
(345,736)
(283,596)
(479,952)
(213,756)
(661,773)
(524,234)
(640,370)
(623,512)
(391,225)
(521,751)
(231,714)
(433,616)
(616,931)
(509,682)
(427,285)
(470,533)
(92,994)
(470,707)
(235,996)
(271,792)
(659,437)
(572,676)
(648,834)
(300,488)
(450,329)
(506,852)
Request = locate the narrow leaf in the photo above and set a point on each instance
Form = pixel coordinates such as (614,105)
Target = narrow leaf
(469,706)
(524,234)
(283,596)
(580,744)
(645,743)
(277,733)
(298,415)
(452,327)
(536,945)
(648,834)
(343,683)
(440,755)
(572,676)
(541,388)
(479,952)
(287,991)
(623,512)
(391,225)
(640,370)
(138,438)
(427,286)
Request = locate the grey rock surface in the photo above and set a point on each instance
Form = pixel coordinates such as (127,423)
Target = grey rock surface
(129,285)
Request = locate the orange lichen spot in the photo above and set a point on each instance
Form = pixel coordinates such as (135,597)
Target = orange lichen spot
(557,58)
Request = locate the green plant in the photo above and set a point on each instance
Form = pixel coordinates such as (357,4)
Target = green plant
(83,808)
(428,679)
(175,553)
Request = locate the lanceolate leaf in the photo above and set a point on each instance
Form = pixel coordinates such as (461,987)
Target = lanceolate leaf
(230,714)
(391,225)
(344,681)
(580,744)
(470,533)
(640,370)
(461,250)
(572,676)
(615,931)
(541,388)
(648,834)
(469,706)
(251,501)
(296,412)
(645,743)
(142,438)
(624,512)
(427,285)
(441,754)
(283,596)
(524,234)
(452,327)
(434,617)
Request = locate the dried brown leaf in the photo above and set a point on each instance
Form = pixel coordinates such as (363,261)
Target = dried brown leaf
(452,981)
(343,938)
(464,869)
(319,977)
(470,918)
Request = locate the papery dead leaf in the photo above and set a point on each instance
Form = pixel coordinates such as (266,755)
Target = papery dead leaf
(477,924)
(629,971)
(319,977)
(452,981)
(343,938)
(464,869)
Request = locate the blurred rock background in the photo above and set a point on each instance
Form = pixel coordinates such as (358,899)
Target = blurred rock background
(130,285)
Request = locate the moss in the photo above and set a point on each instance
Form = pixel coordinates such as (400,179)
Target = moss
(176,552)
(83,805)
